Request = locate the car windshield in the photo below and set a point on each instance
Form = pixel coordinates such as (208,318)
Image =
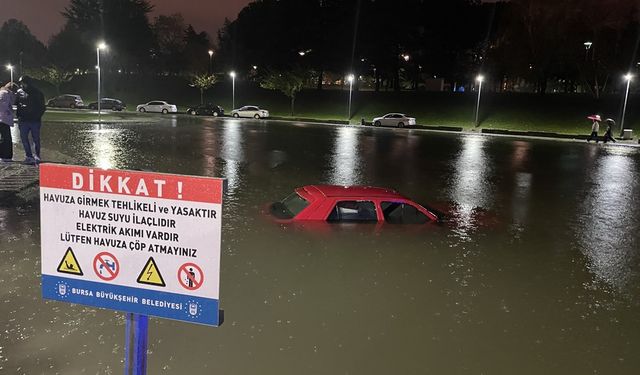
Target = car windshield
(289,207)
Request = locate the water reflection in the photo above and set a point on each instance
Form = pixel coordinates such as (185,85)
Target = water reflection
(345,160)
(471,189)
(606,222)
(104,146)
(232,153)
(522,188)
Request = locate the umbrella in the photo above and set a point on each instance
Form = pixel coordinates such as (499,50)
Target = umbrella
(594,117)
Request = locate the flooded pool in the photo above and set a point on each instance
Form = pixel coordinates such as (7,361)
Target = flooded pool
(536,272)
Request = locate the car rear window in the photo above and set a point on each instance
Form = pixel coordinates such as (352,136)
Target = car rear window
(289,207)
(402,213)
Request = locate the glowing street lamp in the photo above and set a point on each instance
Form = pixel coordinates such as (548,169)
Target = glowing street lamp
(587,47)
(10,69)
(100,46)
(233,89)
(210,60)
(406,57)
(628,77)
(479,79)
(350,79)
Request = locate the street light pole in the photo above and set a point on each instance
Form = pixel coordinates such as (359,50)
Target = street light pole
(233,89)
(210,63)
(100,46)
(350,78)
(10,69)
(480,79)
(627,77)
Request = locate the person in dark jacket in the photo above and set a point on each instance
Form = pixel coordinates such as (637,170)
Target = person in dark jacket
(31,107)
(607,135)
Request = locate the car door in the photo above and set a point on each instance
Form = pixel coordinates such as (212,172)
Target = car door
(400,212)
(253,111)
(387,120)
(353,211)
(155,107)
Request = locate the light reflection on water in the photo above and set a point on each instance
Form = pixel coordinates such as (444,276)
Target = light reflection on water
(607,222)
(471,190)
(537,273)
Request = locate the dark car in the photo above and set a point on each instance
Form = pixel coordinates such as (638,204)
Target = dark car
(108,103)
(206,110)
(66,101)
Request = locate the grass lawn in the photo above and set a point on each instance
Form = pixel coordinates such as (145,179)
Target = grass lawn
(557,113)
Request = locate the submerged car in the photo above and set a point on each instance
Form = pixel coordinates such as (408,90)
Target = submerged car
(398,120)
(108,103)
(66,101)
(349,204)
(250,111)
(158,106)
(206,110)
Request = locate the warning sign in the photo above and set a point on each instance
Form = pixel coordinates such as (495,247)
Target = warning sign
(151,274)
(151,241)
(190,276)
(106,266)
(69,264)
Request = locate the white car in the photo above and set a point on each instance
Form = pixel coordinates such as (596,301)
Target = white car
(158,106)
(394,119)
(250,111)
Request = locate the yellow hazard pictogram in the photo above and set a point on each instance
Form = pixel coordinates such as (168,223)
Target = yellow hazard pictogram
(151,274)
(69,264)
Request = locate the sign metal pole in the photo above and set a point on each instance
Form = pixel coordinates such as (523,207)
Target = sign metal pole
(135,361)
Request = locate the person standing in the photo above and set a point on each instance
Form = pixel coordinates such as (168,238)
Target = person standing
(7,98)
(30,110)
(595,127)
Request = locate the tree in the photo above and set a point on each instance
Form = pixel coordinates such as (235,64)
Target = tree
(56,76)
(170,42)
(123,24)
(19,47)
(289,82)
(203,82)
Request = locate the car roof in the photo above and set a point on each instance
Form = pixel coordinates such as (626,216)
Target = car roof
(322,191)
(394,113)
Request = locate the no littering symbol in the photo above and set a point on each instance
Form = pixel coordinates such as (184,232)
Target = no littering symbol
(190,276)
(106,266)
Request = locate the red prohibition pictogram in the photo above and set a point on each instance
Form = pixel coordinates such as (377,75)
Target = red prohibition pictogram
(190,276)
(106,266)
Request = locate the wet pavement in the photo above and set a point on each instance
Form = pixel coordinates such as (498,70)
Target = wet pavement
(536,272)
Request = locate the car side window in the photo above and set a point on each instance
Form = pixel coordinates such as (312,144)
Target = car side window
(402,213)
(353,211)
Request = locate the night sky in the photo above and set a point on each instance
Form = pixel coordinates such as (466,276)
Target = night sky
(44,19)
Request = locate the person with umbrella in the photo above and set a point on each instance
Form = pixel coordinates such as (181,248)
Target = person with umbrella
(595,127)
(607,135)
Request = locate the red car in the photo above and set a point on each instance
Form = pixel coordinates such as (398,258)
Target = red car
(349,204)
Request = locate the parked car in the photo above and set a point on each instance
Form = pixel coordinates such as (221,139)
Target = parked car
(349,204)
(66,101)
(398,120)
(158,106)
(206,110)
(250,111)
(108,103)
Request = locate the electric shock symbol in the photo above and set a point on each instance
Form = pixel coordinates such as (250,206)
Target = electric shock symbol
(190,276)
(69,264)
(151,274)
(106,266)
